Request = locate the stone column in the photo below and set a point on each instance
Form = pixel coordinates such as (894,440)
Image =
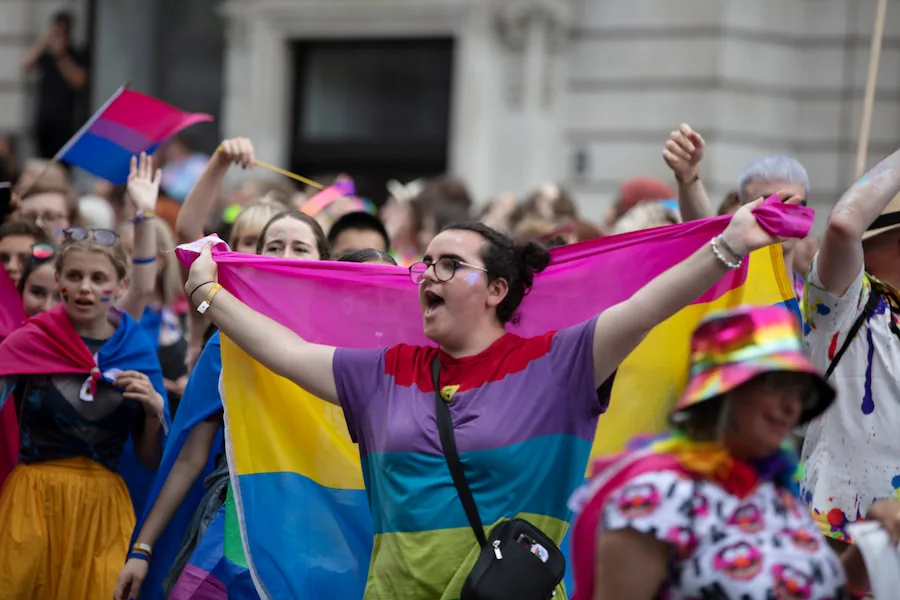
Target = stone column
(533,32)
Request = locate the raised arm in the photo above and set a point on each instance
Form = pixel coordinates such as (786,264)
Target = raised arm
(622,327)
(269,343)
(143,191)
(188,466)
(683,153)
(199,202)
(841,254)
(40,45)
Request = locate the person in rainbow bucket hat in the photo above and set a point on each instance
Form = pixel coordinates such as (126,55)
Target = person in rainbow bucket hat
(711,508)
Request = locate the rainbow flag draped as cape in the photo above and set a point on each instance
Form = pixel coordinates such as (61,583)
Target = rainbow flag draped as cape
(296,476)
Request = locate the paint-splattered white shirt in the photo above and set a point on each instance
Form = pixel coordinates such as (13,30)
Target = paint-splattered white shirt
(852,451)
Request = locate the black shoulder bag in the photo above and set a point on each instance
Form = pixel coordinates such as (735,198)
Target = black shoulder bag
(517,560)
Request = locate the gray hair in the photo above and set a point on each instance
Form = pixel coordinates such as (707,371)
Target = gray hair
(771,169)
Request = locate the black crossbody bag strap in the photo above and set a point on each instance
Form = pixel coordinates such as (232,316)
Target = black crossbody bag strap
(871,305)
(451,455)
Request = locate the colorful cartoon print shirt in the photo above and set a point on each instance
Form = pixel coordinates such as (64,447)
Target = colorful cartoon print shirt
(852,451)
(764,547)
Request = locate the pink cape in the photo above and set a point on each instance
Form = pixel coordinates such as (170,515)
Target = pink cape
(46,343)
(11,317)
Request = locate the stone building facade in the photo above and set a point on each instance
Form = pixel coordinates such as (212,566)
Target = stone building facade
(580,91)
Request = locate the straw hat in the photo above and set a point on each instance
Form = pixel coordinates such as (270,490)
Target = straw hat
(889,220)
(730,348)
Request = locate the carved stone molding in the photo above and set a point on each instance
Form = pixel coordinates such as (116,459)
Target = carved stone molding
(515,20)
(514,17)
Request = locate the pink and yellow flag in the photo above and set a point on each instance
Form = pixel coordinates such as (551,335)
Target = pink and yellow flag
(296,474)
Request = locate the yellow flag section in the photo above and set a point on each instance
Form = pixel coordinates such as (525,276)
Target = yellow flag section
(297,483)
(284,428)
(649,381)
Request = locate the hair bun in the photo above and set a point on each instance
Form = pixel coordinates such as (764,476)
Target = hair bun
(535,257)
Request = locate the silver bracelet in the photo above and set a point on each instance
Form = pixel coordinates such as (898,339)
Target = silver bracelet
(728,249)
(722,259)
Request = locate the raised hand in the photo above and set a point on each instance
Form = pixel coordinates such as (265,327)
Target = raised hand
(204,270)
(683,152)
(744,234)
(238,151)
(143,183)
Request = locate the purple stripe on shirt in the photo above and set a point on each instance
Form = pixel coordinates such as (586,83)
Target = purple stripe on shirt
(119,134)
(519,407)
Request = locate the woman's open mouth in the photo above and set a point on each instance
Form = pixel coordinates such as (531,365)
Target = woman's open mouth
(432,303)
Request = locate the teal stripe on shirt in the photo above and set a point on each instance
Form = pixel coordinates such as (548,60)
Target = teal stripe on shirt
(414,492)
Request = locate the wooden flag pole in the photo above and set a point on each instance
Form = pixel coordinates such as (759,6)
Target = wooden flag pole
(865,127)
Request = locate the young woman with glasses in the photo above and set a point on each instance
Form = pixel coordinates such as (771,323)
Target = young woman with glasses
(524,410)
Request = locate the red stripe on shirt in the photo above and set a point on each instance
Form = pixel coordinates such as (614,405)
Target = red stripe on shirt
(411,365)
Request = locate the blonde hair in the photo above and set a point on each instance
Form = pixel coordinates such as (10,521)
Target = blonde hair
(115,254)
(254,216)
(170,276)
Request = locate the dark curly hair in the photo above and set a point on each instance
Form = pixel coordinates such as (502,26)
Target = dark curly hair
(504,259)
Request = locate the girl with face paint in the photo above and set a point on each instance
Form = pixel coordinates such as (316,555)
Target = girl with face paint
(78,432)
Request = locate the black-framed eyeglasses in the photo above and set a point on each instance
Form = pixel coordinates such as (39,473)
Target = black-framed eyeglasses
(42,251)
(104,237)
(444,269)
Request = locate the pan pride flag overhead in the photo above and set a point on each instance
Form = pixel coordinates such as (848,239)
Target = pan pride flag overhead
(126,125)
(299,489)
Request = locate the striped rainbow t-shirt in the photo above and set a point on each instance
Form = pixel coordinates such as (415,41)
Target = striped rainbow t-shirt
(524,413)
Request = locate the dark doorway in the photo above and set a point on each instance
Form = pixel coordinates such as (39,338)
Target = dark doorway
(374,109)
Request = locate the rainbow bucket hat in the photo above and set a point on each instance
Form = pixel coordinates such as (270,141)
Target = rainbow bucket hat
(729,348)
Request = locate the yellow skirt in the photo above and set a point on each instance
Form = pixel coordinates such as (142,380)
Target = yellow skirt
(65,526)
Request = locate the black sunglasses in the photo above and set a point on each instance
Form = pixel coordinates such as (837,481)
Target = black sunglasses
(104,237)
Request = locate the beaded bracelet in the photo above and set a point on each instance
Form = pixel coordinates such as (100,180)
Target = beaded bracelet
(727,248)
(722,259)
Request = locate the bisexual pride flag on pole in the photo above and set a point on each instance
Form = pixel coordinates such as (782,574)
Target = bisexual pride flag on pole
(126,125)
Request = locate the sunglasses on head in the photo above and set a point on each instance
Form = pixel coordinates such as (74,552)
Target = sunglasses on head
(104,237)
(42,251)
